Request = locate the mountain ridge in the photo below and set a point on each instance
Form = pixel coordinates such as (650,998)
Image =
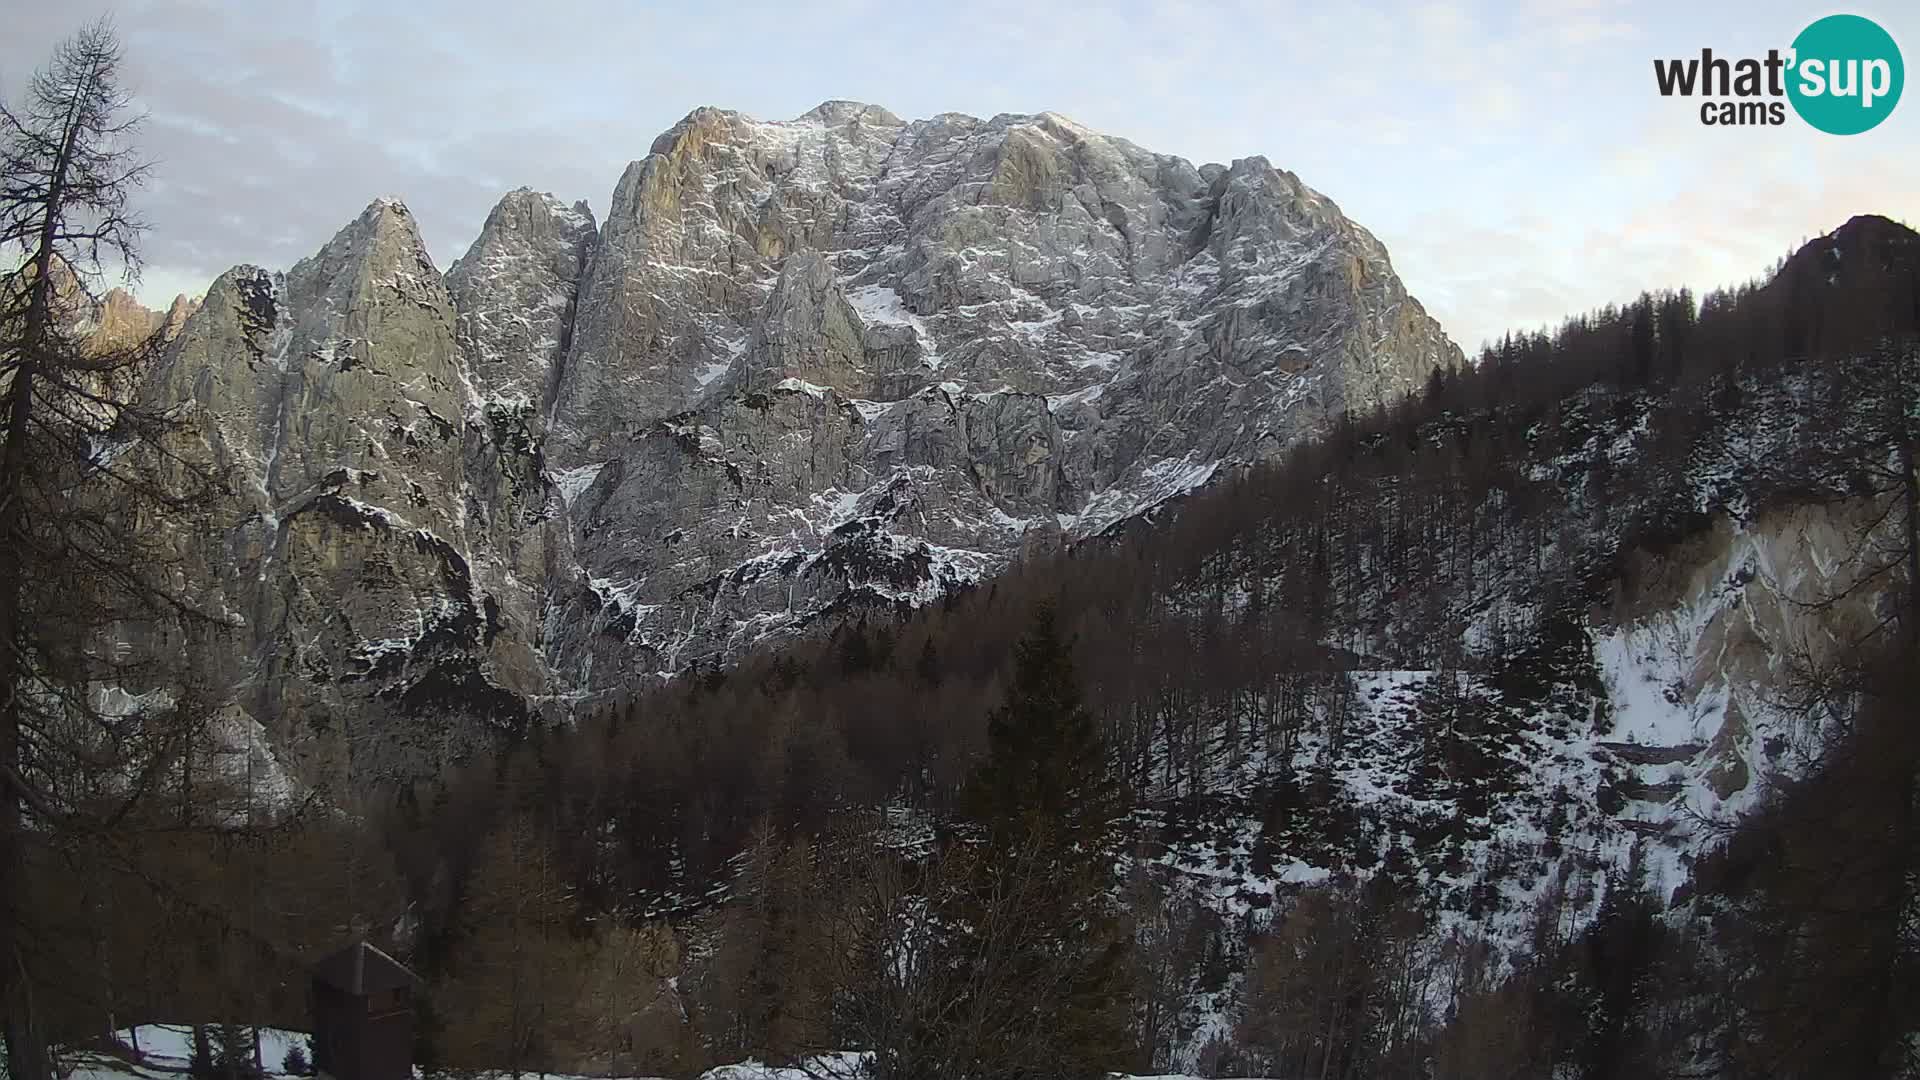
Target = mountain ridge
(804,368)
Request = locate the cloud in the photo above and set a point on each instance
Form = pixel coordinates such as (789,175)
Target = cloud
(1512,156)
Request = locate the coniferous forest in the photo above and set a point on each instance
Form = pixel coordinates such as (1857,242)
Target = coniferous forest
(1294,776)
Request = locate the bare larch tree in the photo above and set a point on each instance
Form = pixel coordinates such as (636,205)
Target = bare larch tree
(95,709)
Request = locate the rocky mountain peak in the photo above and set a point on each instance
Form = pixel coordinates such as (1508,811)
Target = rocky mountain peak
(514,291)
(841,112)
(117,320)
(805,367)
(177,314)
(1066,326)
(381,249)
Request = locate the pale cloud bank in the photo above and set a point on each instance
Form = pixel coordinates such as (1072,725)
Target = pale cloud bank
(1514,157)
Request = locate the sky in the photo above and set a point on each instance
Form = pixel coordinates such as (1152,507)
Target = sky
(1515,157)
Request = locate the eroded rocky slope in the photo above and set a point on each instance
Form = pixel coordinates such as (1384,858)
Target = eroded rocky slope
(849,359)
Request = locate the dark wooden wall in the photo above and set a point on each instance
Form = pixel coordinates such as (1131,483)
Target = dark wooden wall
(363,1038)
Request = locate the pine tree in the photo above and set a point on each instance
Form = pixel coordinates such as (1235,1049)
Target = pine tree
(1043,931)
(200,1063)
(1047,777)
(856,651)
(927,668)
(233,1052)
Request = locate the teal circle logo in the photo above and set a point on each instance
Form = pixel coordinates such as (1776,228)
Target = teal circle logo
(1846,74)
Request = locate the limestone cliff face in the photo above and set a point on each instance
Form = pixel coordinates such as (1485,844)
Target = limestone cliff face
(804,367)
(849,359)
(515,300)
(335,399)
(1697,652)
(514,292)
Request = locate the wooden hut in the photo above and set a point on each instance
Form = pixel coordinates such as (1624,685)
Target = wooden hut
(362,1001)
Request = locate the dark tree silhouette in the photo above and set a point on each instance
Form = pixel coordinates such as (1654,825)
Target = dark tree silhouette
(85,476)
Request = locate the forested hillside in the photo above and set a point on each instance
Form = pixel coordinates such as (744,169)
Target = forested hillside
(1555,721)
(1381,713)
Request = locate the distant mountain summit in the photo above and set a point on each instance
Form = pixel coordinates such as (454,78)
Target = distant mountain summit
(804,367)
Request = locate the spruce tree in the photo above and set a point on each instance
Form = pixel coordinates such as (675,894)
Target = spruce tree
(1047,776)
(1045,938)
(200,1064)
(927,668)
(234,1046)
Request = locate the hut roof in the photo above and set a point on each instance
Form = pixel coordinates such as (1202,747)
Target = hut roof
(362,969)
